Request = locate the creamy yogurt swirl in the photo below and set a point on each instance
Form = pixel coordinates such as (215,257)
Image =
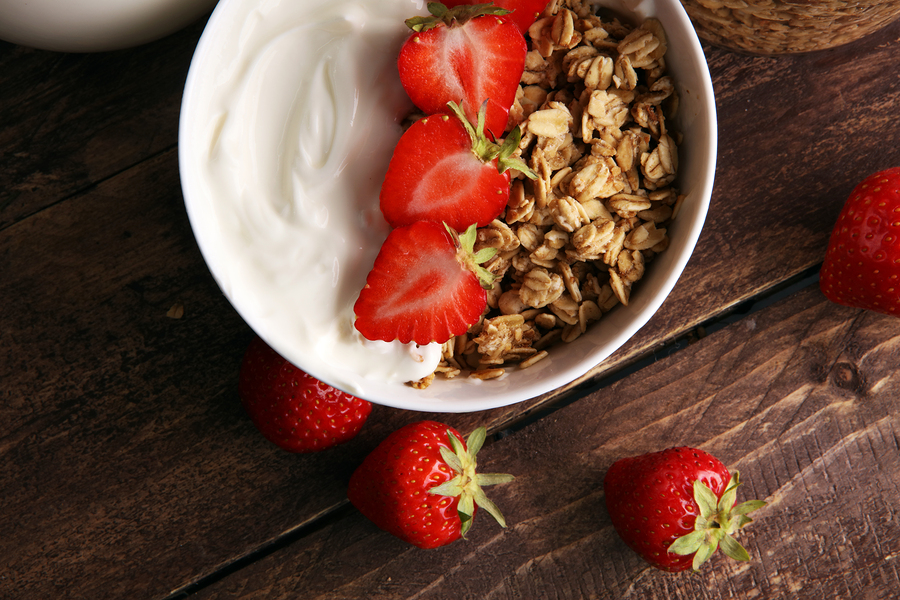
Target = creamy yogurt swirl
(300,117)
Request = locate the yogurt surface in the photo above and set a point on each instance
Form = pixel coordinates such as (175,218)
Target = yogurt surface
(302,107)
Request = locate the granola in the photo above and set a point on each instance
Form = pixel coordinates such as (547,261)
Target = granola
(593,108)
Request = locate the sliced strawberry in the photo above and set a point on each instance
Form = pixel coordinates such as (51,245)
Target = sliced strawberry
(445,170)
(524,12)
(425,286)
(468,55)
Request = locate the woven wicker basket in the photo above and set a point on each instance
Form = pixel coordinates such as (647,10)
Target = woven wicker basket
(788,26)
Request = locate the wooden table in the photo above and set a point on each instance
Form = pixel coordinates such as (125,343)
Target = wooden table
(128,469)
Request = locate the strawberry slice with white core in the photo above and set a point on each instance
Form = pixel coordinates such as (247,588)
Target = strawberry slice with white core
(445,170)
(470,54)
(426,286)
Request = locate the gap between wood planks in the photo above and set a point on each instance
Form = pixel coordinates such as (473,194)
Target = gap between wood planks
(785,289)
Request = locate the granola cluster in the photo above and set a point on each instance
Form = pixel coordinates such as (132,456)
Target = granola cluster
(592,107)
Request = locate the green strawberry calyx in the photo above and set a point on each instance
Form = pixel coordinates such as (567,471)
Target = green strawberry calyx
(450,16)
(485,149)
(718,520)
(471,260)
(468,483)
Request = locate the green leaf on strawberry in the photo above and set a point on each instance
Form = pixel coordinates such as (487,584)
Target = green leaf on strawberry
(421,484)
(427,285)
(522,12)
(719,519)
(446,170)
(449,16)
(676,507)
(468,484)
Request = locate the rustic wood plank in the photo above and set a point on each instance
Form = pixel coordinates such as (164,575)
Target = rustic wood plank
(68,121)
(800,398)
(103,393)
(127,460)
(127,463)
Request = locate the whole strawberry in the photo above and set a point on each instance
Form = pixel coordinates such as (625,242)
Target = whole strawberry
(444,169)
(470,54)
(676,507)
(420,484)
(293,409)
(862,262)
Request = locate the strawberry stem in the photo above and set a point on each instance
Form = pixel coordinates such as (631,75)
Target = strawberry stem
(485,149)
(467,484)
(451,16)
(717,521)
(470,259)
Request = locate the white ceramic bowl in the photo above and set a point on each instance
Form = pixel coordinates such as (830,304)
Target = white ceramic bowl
(94,25)
(222,231)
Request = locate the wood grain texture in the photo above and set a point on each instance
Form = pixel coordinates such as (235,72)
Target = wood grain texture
(127,460)
(69,121)
(126,464)
(801,398)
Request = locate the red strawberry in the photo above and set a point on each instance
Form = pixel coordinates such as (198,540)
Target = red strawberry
(420,484)
(292,409)
(862,263)
(524,12)
(467,55)
(445,170)
(675,507)
(425,286)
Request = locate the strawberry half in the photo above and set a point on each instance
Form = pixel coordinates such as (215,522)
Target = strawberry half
(676,507)
(426,286)
(862,262)
(292,409)
(421,485)
(523,12)
(445,170)
(470,55)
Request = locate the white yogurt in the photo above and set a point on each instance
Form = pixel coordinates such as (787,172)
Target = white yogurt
(300,117)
